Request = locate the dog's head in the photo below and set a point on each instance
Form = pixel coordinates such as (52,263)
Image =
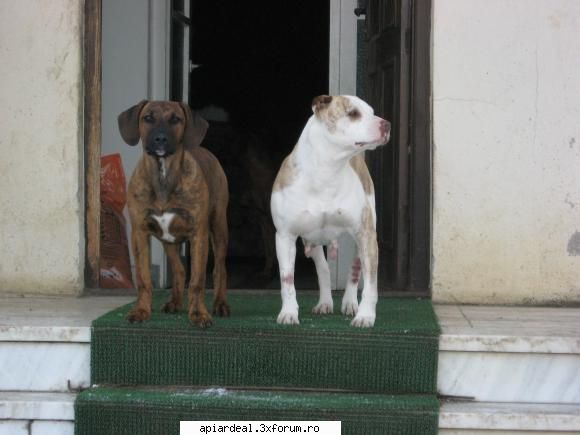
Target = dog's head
(349,122)
(162,126)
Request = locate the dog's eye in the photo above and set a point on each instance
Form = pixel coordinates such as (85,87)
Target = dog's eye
(148,119)
(174,119)
(354,114)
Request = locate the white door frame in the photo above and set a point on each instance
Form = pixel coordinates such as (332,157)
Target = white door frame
(158,89)
(342,80)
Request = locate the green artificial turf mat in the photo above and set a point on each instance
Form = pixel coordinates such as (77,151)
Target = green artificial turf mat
(143,411)
(398,355)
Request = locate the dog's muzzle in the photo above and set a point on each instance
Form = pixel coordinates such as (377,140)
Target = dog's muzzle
(385,134)
(160,144)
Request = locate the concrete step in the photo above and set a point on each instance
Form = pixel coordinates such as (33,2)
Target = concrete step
(250,350)
(510,354)
(45,342)
(53,413)
(507,418)
(31,413)
(158,410)
(518,358)
(491,354)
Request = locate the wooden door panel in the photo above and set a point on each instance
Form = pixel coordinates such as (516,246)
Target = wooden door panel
(388,92)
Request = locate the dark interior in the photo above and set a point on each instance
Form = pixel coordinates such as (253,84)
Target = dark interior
(256,67)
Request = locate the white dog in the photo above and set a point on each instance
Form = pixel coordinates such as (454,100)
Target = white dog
(322,190)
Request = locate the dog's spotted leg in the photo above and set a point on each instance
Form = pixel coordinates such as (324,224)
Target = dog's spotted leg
(324,305)
(369,253)
(350,300)
(286,252)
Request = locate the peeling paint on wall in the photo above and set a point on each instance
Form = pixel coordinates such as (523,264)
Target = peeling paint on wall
(574,244)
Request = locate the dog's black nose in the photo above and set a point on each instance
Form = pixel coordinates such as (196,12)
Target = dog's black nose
(160,139)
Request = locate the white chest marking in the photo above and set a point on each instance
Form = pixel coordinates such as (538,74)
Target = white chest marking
(164,221)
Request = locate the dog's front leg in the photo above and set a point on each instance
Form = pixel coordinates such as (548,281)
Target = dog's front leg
(198,313)
(324,305)
(219,239)
(174,304)
(286,252)
(140,246)
(368,250)
(350,298)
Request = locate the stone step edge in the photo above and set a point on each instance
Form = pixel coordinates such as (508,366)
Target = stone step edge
(453,415)
(464,328)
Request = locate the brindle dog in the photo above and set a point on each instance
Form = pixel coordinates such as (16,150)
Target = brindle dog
(178,192)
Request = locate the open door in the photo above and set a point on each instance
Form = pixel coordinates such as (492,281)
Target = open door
(397,86)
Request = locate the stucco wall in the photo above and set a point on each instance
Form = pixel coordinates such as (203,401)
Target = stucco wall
(41,212)
(506,126)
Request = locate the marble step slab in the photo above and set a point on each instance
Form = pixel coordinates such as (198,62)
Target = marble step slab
(36,406)
(36,413)
(510,354)
(45,342)
(510,377)
(36,427)
(493,354)
(34,366)
(49,411)
(539,418)
(464,328)
(62,320)
(468,328)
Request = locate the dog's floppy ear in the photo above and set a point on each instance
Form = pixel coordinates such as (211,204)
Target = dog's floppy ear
(195,127)
(129,123)
(320,102)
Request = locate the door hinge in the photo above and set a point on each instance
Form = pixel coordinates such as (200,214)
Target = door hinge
(361,8)
(193,66)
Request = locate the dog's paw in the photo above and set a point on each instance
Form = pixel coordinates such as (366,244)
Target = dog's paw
(325,307)
(171,307)
(201,320)
(363,321)
(221,308)
(349,308)
(288,318)
(138,315)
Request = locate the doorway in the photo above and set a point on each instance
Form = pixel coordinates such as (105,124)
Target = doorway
(252,71)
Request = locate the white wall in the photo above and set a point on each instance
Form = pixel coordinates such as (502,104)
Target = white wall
(506,126)
(41,194)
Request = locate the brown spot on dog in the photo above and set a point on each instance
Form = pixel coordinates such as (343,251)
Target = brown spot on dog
(355,273)
(330,111)
(354,114)
(368,237)
(288,279)
(360,167)
(285,174)
(321,102)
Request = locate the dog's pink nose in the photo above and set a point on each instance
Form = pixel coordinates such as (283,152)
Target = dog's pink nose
(385,127)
